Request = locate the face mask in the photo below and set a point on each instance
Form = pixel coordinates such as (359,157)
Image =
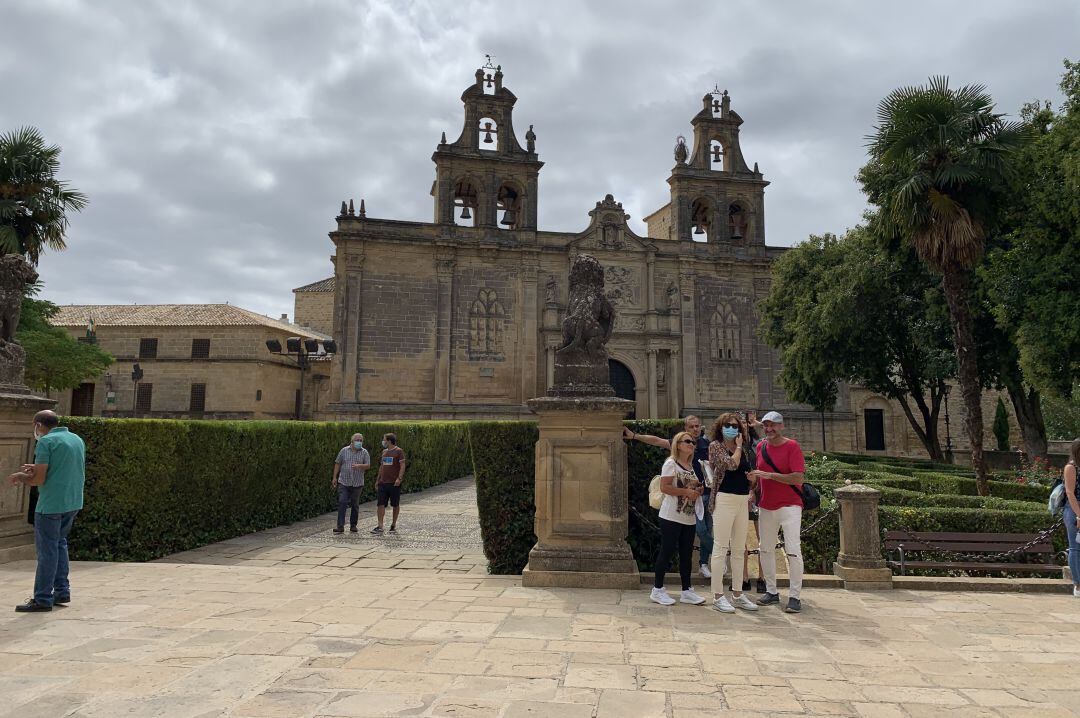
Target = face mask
(730,433)
(358,445)
(385,444)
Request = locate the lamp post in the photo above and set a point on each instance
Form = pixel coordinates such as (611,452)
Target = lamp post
(136,377)
(299,350)
(948,436)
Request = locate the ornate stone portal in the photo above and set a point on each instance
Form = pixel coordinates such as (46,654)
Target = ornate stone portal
(581,502)
(17,408)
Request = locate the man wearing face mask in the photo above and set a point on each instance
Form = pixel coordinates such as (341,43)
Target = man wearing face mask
(388,489)
(59,473)
(349,467)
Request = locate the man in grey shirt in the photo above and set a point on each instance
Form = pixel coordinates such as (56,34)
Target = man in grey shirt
(349,467)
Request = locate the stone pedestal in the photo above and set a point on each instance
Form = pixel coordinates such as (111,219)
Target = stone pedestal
(859,562)
(581,501)
(17,409)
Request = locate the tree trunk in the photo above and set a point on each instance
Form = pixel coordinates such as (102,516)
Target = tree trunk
(927,430)
(1028,409)
(955,285)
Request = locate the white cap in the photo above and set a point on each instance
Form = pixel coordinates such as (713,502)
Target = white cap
(774,416)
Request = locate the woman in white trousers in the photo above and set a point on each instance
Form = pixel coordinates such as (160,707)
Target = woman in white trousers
(729,504)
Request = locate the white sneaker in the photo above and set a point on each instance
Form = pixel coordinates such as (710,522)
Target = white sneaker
(743,602)
(661,596)
(705,572)
(1076,591)
(722,605)
(690,597)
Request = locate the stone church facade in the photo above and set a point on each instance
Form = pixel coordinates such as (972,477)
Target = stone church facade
(459,318)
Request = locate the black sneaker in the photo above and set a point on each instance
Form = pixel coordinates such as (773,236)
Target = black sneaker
(377,530)
(63,600)
(32,606)
(768,599)
(760,587)
(353,529)
(393,529)
(794,605)
(339,530)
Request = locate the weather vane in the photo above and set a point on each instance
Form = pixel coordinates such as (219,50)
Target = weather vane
(715,90)
(489,65)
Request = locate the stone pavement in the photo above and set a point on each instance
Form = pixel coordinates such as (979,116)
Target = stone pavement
(439,531)
(301,623)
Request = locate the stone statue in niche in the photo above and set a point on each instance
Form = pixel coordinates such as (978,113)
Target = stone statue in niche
(551,290)
(680,150)
(673,296)
(530,140)
(661,373)
(581,362)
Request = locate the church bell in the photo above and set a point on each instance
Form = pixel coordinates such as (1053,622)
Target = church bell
(465,212)
(509,218)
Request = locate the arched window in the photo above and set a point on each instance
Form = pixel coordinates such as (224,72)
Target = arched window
(725,340)
(716,156)
(736,221)
(509,203)
(700,219)
(487,134)
(466,201)
(486,318)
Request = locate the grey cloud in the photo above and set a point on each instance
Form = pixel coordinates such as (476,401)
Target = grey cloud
(216,140)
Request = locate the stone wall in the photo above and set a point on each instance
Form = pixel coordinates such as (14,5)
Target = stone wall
(314,310)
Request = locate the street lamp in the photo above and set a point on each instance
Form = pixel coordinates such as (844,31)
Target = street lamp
(948,436)
(299,350)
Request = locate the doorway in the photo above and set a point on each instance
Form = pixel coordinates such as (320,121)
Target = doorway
(82,400)
(622,381)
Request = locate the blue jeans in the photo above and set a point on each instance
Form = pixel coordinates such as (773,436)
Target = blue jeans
(50,538)
(348,496)
(705,534)
(1074,550)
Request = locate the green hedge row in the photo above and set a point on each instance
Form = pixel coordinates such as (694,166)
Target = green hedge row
(155,487)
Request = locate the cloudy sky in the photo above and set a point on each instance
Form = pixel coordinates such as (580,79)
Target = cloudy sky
(216,140)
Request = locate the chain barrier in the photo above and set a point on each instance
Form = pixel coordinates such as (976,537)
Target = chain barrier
(803,532)
(930,546)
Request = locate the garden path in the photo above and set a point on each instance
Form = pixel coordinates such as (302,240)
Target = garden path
(439,530)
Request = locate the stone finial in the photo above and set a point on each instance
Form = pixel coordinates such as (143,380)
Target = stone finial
(352,212)
(530,140)
(443,140)
(581,362)
(344,209)
(363,209)
(756,170)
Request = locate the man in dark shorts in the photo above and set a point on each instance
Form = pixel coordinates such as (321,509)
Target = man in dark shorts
(388,489)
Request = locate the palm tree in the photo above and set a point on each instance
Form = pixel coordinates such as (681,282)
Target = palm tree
(938,154)
(34,204)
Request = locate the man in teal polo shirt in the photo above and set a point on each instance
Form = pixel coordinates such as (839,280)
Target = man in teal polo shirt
(59,472)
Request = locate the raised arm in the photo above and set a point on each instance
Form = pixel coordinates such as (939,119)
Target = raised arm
(646,439)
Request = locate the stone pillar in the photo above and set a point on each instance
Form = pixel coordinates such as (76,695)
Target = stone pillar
(859,562)
(550,367)
(444,270)
(581,500)
(530,310)
(688,330)
(16,420)
(654,410)
(675,383)
(350,331)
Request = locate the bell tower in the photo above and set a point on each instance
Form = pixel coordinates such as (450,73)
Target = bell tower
(715,196)
(485,178)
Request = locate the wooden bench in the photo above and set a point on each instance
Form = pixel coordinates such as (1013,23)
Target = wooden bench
(905,543)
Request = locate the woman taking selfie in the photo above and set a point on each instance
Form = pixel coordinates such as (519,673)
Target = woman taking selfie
(678,519)
(729,455)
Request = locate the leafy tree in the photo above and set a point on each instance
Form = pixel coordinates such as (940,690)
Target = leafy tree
(1031,273)
(1063,416)
(940,153)
(34,204)
(1001,426)
(54,360)
(850,309)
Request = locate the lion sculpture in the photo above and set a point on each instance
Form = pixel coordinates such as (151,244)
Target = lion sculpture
(581,363)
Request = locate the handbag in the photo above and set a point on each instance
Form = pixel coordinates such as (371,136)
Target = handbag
(811,497)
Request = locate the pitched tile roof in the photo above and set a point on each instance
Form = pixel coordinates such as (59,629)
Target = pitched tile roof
(173,315)
(323,285)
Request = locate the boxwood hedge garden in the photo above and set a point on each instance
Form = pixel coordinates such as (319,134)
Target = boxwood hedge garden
(156,487)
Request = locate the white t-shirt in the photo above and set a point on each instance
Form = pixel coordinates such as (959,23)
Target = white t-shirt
(679,509)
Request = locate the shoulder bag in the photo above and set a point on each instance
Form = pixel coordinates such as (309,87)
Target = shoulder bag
(811,497)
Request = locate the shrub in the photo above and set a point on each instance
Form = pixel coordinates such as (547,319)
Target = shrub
(1001,426)
(155,487)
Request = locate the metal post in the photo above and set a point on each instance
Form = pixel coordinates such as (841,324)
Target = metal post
(948,436)
(823,430)
(301,361)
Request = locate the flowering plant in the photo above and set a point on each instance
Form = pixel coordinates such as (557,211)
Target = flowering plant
(1036,472)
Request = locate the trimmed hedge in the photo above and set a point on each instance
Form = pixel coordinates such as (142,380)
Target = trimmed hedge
(156,487)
